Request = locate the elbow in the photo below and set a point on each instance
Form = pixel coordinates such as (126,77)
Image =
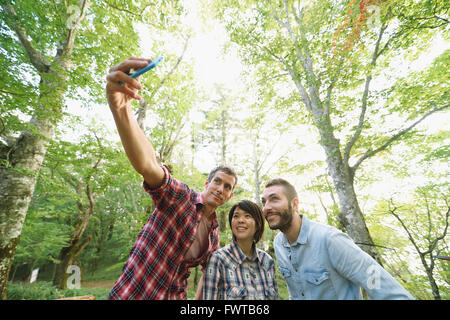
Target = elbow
(153,174)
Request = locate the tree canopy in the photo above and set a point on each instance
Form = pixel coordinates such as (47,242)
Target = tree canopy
(346,99)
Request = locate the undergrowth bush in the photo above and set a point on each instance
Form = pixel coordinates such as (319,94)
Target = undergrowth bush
(43,290)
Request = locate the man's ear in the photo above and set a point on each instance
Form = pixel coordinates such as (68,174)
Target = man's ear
(294,204)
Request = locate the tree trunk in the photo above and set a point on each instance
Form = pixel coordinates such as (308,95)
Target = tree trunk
(350,215)
(256,170)
(17,183)
(434,286)
(222,219)
(308,85)
(25,156)
(67,256)
(223,133)
(429,271)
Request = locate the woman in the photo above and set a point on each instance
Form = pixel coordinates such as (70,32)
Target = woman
(240,270)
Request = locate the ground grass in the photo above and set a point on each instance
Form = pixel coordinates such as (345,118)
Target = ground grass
(43,290)
(98,285)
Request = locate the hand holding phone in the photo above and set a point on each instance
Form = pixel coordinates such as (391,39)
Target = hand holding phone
(148,67)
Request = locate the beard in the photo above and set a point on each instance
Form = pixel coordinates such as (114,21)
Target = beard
(285,219)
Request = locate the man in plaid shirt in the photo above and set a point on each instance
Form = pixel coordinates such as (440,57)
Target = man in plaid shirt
(183,229)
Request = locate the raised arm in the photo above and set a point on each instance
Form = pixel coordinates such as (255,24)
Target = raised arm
(138,148)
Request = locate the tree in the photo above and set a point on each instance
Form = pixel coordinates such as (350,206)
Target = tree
(427,235)
(219,121)
(52,51)
(332,51)
(168,96)
(41,241)
(265,133)
(82,184)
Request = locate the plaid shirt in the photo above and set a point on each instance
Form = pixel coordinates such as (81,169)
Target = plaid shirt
(156,268)
(231,275)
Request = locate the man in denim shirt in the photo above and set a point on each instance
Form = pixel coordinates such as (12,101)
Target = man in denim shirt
(318,261)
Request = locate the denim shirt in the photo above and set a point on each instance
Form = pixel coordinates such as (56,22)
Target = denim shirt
(324,263)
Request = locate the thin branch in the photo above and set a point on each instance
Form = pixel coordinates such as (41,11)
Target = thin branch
(301,89)
(16,93)
(137,14)
(175,66)
(168,147)
(144,105)
(273,77)
(444,233)
(331,86)
(81,246)
(305,59)
(142,112)
(411,238)
(370,153)
(3,125)
(374,245)
(36,58)
(270,152)
(365,96)
(68,45)
(275,162)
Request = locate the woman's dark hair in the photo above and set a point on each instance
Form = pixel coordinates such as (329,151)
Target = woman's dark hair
(255,211)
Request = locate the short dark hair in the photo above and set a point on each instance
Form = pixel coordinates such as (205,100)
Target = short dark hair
(288,188)
(255,211)
(224,168)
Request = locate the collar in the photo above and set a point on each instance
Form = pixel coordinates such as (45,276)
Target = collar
(199,203)
(239,256)
(303,235)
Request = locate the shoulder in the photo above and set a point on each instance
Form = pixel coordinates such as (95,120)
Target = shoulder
(265,258)
(338,240)
(220,256)
(278,238)
(321,231)
(169,182)
(321,227)
(263,254)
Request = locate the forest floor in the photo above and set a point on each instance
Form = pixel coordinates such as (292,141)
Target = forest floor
(103,284)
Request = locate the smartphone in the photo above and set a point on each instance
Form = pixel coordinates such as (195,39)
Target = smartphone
(143,70)
(148,67)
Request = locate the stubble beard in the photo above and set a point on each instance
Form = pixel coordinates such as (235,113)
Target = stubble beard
(285,220)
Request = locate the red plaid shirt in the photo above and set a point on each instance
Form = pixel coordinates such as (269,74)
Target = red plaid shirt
(156,268)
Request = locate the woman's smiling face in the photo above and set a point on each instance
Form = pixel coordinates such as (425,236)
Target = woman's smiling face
(243,225)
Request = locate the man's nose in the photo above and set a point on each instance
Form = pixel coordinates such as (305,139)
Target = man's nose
(266,207)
